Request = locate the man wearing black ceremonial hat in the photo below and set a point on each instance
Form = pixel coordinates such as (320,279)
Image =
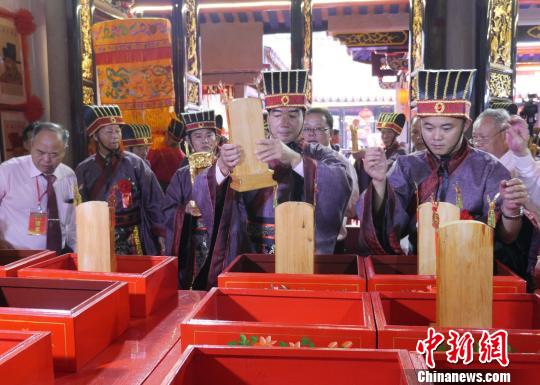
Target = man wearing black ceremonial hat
(448,169)
(311,173)
(187,234)
(113,174)
(137,138)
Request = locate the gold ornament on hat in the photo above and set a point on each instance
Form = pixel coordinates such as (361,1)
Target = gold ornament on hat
(440,107)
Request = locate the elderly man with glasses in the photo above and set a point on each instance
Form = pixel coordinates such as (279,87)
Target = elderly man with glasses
(488,135)
(318,129)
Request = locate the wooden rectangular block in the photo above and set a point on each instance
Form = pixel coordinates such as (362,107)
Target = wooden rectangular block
(281,317)
(84,317)
(403,318)
(398,273)
(202,365)
(152,280)
(343,272)
(26,358)
(13,260)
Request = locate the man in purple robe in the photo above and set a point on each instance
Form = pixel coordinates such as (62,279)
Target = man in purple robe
(187,234)
(116,175)
(244,222)
(390,125)
(447,168)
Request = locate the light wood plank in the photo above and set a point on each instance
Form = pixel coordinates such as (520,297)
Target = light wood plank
(95,237)
(246,126)
(427,237)
(465,275)
(295,238)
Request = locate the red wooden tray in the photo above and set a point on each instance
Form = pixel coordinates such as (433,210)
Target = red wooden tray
(151,280)
(281,318)
(523,367)
(398,273)
(403,318)
(332,272)
(13,260)
(203,365)
(26,358)
(82,316)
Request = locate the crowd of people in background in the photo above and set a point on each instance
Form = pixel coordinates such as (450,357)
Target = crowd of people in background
(161,207)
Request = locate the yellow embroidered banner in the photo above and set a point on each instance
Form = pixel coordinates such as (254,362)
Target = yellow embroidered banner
(134,70)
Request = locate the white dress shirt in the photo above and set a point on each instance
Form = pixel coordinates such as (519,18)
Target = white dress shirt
(508,161)
(528,170)
(19,197)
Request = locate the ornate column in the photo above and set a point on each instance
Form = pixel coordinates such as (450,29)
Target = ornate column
(416,44)
(81,70)
(301,35)
(186,55)
(467,34)
(501,44)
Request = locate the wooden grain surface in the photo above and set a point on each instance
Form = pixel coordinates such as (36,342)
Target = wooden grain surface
(295,238)
(465,275)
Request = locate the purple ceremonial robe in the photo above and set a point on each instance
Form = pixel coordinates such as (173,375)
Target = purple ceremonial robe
(139,209)
(478,176)
(186,235)
(244,222)
(391,153)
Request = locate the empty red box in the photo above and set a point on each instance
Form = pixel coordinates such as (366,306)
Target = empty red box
(152,281)
(202,365)
(26,358)
(281,318)
(403,318)
(84,317)
(13,260)
(398,273)
(332,272)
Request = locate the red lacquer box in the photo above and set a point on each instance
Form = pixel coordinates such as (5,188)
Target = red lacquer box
(398,273)
(521,370)
(332,272)
(281,318)
(83,317)
(212,365)
(13,260)
(403,318)
(152,281)
(26,358)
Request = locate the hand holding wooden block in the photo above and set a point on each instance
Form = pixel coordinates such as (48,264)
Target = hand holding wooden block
(246,127)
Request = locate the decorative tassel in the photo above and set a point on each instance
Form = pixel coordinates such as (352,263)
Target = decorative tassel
(491,221)
(417,195)
(459,199)
(77,199)
(435,213)
(137,240)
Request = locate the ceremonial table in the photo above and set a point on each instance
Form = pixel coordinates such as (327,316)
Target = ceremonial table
(149,345)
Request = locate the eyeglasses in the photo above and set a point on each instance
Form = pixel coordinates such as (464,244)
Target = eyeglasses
(318,131)
(476,139)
